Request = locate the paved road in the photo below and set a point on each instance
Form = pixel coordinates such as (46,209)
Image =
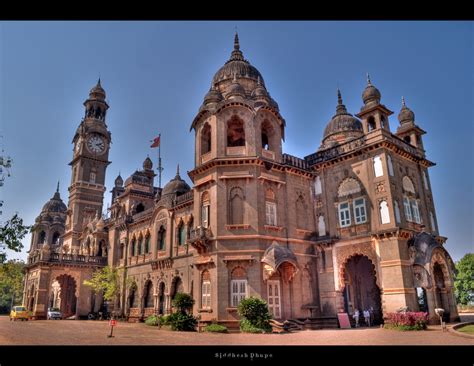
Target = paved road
(72,332)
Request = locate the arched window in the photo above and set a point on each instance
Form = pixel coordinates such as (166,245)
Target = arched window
(301,216)
(42,237)
(344,214)
(267,135)
(348,186)
(55,240)
(92,177)
(371,123)
(236,205)
(148,300)
(321,226)
(181,234)
(161,238)
(133,247)
(397,212)
(190,227)
(382,121)
(140,208)
(407,139)
(384,214)
(390,165)
(206,290)
(410,203)
(317,186)
(408,185)
(235,132)
(433,224)
(238,286)
(140,245)
(205,209)
(122,250)
(378,169)
(270,208)
(147,243)
(360,215)
(133,298)
(206,139)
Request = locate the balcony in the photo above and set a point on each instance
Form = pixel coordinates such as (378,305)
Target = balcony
(46,257)
(199,238)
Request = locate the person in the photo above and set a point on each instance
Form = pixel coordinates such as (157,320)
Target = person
(356,317)
(371,312)
(367,317)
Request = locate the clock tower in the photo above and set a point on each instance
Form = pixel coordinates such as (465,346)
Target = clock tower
(89,163)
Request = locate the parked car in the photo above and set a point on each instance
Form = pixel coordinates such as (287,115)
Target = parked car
(19,312)
(54,313)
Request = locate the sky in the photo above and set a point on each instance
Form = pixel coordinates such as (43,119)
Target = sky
(156,74)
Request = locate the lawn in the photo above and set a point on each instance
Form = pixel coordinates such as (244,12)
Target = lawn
(469,329)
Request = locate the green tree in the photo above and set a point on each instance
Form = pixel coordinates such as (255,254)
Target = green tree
(11,235)
(11,284)
(255,316)
(106,281)
(464,282)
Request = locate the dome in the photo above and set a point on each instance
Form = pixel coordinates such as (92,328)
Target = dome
(236,66)
(342,123)
(119,181)
(259,91)
(97,92)
(55,204)
(213,96)
(406,115)
(175,186)
(235,89)
(147,164)
(371,94)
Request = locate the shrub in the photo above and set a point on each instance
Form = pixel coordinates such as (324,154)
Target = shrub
(255,315)
(181,321)
(406,320)
(183,303)
(216,328)
(152,320)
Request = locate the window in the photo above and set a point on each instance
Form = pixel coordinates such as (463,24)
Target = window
(406,206)
(205,139)
(344,214)
(206,290)
(433,224)
(133,248)
(122,251)
(397,212)
(238,291)
(415,211)
(140,245)
(42,237)
(360,215)
(378,169)
(55,240)
(181,234)
(390,165)
(321,226)
(425,180)
(140,208)
(205,204)
(301,215)
(271,218)
(92,177)
(235,132)
(236,205)
(317,186)
(371,124)
(161,238)
(147,244)
(384,214)
(267,136)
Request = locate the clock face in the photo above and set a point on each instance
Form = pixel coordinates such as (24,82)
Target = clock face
(96,144)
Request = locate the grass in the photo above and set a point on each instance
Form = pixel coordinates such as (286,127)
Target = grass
(469,329)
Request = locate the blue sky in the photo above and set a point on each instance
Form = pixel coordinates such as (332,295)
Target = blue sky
(157,73)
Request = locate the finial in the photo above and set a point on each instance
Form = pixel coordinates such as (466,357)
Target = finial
(98,81)
(177,170)
(57,187)
(368,79)
(339,97)
(403,102)
(236,40)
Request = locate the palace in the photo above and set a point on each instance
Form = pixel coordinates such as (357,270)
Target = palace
(350,226)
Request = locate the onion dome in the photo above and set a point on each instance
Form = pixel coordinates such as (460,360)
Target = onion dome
(213,96)
(147,164)
(406,115)
(237,66)
(55,204)
(119,181)
(175,186)
(97,92)
(235,89)
(371,95)
(342,127)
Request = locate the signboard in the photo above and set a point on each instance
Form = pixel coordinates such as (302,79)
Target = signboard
(112,323)
(343,320)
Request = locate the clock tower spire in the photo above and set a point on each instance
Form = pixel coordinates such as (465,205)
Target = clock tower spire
(89,163)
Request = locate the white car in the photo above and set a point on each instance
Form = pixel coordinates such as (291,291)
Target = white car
(54,313)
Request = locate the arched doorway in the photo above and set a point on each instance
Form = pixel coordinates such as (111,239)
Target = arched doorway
(132,297)
(161,298)
(176,287)
(67,295)
(440,290)
(55,296)
(361,291)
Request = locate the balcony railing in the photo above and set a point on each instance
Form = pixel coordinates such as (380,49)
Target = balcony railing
(294,161)
(66,258)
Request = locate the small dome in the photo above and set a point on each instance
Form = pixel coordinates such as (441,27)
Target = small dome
(342,123)
(213,96)
(119,181)
(55,204)
(175,186)
(371,95)
(259,91)
(406,115)
(147,164)
(235,89)
(97,92)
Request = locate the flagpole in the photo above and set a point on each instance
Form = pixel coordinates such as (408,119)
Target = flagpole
(159,162)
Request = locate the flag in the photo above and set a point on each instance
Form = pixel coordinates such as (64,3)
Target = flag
(156,141)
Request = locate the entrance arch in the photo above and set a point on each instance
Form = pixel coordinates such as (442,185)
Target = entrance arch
(67,295)
(360,287)
(161,298)
(176,287)
(441,298)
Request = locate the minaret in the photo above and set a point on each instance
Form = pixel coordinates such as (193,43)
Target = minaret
(90,160)
(408,130)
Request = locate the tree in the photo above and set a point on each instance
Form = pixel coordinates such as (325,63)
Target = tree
(255,316)
(11,235)
(11,283)
(464,282)
(106,281)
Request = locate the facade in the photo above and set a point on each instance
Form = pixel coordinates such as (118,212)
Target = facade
(351,226)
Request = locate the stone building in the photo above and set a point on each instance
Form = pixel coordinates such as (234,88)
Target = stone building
(352,225)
